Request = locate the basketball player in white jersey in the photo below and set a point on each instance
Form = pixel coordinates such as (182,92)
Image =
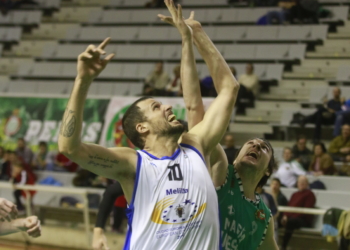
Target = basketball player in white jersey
(254,232)
(172,201)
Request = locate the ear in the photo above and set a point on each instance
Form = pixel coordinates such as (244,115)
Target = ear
(142,128)
(267,173)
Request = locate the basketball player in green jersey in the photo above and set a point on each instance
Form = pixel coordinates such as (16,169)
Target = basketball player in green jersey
(246,222)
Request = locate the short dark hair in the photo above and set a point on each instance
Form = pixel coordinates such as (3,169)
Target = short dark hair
(271,166)
(299,137)
(131,117)
(321,144)
(42,143)
(251,64)
(184,124)
(276,179)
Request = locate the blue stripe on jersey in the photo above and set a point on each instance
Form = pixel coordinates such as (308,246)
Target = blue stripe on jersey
(195,150)
(130,210)
(173,157)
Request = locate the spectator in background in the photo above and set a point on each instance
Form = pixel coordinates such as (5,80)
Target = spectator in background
(339,147)
(174,86)
(276,192)
(281,16)
(342,117)
(304,197)
(5,168)
(207,87)
(230,149)
(249,85)
(44,160)
(322,163)
(64,164)
(250,82)
(20,176)
(305,11)
(289,170)
(301,153)
(325,115)
(157,80)
(155,4)
(271,204)
(22,151)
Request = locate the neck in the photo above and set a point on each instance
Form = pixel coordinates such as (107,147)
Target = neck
(249,181)
(160,146)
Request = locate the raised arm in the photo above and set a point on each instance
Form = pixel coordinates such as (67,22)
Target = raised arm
(189,75)
(116,163)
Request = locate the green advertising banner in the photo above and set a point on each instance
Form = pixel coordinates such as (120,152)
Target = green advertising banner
(113,134)
(39,119)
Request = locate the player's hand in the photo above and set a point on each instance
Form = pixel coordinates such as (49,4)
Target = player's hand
(99,240)
(190,21)
(8,210)
(176,18)
(32,226)
(90,63)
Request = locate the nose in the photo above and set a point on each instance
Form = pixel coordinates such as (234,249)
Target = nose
(257,145)
(168,107)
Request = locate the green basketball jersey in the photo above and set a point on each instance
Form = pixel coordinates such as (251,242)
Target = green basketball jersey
(243,221)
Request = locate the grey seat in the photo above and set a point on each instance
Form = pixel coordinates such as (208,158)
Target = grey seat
(29,87)
(343,73)
(239,51)
(123,33)
(47,69)
(52,87)
(135,89)
(262,33)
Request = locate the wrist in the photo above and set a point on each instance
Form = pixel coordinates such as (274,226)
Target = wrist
(99,230)
(84,81)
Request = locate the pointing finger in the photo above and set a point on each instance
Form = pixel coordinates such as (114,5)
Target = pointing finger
(191,15)
(104,43)
(179,12)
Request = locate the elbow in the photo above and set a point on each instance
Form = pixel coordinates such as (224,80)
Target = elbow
(69,152)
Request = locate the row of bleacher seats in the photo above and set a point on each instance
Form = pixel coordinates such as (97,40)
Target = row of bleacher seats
(98,16)
(136,71)
(194,3)
(212,16)
(10,34)
(48,4)
(251,52)
(63,88)
(217,33)
(21,17)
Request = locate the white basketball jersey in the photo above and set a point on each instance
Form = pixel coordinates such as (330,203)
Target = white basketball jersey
(174,204)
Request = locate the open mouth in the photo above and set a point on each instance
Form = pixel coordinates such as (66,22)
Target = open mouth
(171,118)
(253,154)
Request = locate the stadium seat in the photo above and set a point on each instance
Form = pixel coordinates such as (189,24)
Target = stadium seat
(49,4)
(343,73)
(129,70)
(135,89)
(239,51)
(230,33)
(130,51)
(24,87)
(145,69)
(121,89)
(113,70)
(145,16)
(123,33)
(113,16)
(49,70)
(52,87)
(153,52)
(261,33)
(93,34)
(128,3)
(171,52)
(105,89)
(151,33)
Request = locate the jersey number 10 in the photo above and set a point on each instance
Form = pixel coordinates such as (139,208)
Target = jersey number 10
(175,173)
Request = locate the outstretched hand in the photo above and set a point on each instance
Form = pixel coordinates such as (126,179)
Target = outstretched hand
(170,19)
(176,19)
(90,64)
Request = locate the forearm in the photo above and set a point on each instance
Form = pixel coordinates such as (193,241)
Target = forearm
(110,195)
(69,138)
(190,84)
(219,70)
(11,227)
